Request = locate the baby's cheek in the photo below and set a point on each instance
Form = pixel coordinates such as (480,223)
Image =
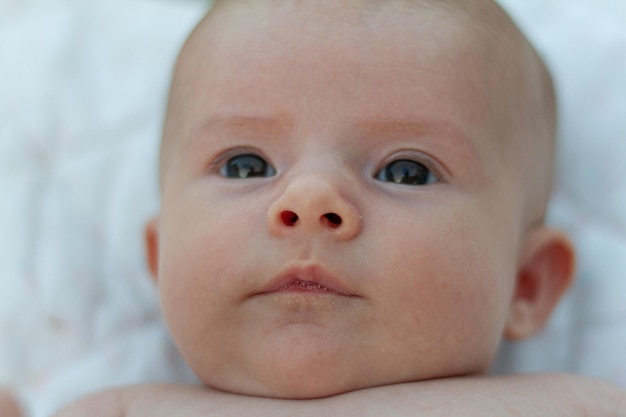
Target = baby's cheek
(473,285)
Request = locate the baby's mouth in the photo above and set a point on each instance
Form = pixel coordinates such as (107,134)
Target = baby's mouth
(308,279)
(299,285)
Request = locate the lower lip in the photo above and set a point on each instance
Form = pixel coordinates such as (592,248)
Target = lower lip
(301,286)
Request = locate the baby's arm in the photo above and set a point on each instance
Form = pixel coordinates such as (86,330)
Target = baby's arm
(536,395)
(8,405)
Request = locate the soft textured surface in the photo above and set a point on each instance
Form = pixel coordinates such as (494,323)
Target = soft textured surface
(82,92)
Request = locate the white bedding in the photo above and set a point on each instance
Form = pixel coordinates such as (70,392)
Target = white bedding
(82,93)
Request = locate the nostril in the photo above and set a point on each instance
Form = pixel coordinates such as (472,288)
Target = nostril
(334,220)
(289,218)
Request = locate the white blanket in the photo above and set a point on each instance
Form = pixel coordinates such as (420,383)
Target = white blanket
(82,93)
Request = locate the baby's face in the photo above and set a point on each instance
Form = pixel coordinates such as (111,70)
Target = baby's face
(337,212)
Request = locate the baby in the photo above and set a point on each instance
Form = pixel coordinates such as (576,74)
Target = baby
(353,195)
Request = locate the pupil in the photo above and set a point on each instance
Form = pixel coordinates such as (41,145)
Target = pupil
(246,166)
(407,172)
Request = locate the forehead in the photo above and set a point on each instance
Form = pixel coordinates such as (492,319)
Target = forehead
(353,23)
(377,60)
(340,66)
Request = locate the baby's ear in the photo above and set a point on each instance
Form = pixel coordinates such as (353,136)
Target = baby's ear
(545,272)
(151,238)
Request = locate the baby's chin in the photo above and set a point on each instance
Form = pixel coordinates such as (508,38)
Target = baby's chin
(320,376)
(307,389)
(301,391)
(298,388)
(310,385)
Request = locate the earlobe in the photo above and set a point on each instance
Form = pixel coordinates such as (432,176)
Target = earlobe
(151,238)
(545,272)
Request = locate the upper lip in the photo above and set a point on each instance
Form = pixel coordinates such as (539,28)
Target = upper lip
(313,275)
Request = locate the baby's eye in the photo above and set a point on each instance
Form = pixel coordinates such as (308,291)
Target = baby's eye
(406,172)
(247,166)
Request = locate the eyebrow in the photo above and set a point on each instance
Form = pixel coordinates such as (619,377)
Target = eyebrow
(270,125)
(445,134)
(430,126)
(283,122)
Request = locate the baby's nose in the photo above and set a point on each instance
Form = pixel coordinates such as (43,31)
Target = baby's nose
(314,205)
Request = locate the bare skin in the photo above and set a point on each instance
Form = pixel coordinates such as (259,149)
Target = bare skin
(8,404)
(327,113)
(510,396)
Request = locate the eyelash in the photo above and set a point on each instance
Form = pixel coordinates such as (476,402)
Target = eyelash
(407,172)
(223,157)
(246,166)
(433,167)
